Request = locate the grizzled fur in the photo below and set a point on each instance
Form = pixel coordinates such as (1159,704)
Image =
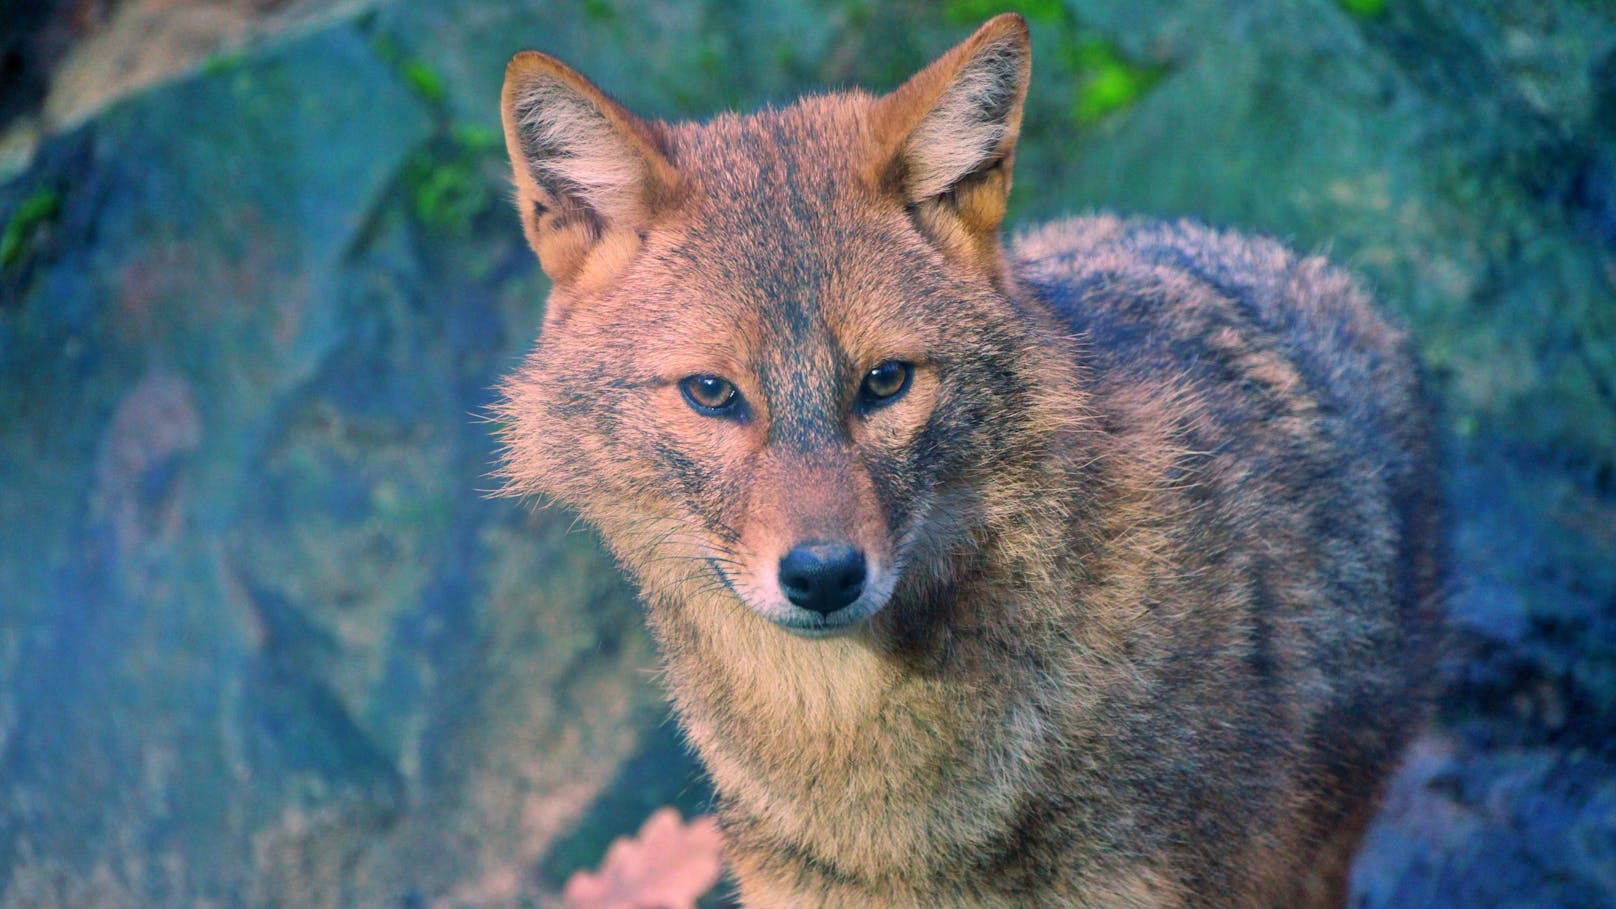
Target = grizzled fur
(1152,534)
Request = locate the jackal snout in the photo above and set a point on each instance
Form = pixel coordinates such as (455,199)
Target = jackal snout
(822,577)
(821,556)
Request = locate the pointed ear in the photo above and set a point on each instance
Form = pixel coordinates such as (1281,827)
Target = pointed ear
(945,139)
(589,174)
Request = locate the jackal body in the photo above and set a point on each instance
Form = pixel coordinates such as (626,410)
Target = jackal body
(1095,573)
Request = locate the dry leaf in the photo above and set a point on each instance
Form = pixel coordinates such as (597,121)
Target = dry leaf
(668,866)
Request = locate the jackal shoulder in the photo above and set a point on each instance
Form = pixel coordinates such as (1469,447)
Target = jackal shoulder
(1192,304)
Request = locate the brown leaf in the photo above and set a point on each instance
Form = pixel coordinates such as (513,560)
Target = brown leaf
(668,866)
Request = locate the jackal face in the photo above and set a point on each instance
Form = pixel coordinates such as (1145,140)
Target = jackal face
(778,362)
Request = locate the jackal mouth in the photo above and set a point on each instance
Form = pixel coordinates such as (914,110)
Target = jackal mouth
(803,623)
(768,601)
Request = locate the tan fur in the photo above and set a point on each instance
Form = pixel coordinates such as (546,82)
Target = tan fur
(1151,543)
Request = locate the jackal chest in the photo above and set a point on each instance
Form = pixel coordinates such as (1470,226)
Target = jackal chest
(871,784)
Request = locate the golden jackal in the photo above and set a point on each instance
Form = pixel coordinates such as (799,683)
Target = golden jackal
(1095,572)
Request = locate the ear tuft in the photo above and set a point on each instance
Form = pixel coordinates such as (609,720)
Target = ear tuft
(572,149)
(974,121)
(944,142)
(584,165)
(960,115)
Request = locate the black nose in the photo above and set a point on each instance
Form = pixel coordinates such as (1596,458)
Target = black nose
(823,577)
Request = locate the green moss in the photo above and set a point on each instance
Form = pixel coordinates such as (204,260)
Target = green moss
(1106,82)
(975,11)
(447,178)
(445,195)
(1363,9)
(423,80)
(444,179)
(477,138)
(223,63)
(35,213)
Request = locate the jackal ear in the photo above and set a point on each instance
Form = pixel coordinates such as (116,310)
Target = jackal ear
(587,171)
(945,139)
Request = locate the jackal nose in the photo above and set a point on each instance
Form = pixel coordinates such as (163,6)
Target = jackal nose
(823,577)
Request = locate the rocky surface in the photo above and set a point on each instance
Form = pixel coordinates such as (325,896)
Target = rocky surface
(264,642)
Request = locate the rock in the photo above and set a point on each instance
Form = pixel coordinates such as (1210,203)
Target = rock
(264,636)
(1509,828)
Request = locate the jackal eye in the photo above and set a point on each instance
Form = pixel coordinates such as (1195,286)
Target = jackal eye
(710,395)
(885,383)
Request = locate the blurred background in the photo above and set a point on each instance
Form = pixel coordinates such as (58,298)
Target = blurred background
(264,641)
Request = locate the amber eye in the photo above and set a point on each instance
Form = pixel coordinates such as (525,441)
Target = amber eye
(885,383)
(710,395)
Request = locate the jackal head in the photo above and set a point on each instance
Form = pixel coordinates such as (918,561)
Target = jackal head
(782,360)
